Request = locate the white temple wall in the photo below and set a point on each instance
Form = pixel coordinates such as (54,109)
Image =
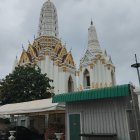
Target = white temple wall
(108,76)
(42,66)
(47,65)
(114,77)
(51,69)
(95,74)
(74,81)
(99,74)
(61,81)
(79,79)
(77,82)
(56,79)
(91,77)
(103,74)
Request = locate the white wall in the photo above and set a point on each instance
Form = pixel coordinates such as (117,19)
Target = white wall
(56,73)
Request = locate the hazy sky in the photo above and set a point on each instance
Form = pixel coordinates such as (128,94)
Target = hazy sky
(117,23)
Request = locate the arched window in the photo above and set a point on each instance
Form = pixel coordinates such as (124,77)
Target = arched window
(70,85)
(86,79)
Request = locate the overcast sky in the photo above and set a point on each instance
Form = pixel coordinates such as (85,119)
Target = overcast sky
(117,23)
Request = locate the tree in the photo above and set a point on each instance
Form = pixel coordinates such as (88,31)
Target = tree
(25,83)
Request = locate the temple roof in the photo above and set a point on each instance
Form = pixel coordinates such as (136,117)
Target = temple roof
(43,46)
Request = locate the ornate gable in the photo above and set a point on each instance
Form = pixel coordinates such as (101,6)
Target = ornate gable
(69,59)
(57,48)
(87,57)
(25,58)
(62,52)
(32,51)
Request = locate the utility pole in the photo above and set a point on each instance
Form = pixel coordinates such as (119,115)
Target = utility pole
(136,65)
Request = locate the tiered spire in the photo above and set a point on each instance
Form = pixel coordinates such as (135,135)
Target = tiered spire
(92,37)
(48,24)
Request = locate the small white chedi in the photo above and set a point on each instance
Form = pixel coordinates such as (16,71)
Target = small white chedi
(96,67)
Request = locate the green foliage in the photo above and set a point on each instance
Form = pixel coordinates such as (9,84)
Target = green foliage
(25,83)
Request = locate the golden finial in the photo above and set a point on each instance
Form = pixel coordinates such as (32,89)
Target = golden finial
(23,48)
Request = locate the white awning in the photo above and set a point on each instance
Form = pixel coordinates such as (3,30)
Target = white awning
(44,105)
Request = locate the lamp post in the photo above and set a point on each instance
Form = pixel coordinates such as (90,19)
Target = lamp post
(136,65)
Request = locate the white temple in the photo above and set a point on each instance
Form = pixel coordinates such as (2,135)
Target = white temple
(47,51)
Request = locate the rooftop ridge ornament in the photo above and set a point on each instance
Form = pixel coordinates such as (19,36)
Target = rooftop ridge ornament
(23,48)
(136,65)
(70,50)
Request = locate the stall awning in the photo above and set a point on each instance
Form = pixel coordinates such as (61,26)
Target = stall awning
(44,105)
(94,94)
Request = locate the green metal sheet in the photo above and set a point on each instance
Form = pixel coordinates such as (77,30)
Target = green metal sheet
(101,93)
